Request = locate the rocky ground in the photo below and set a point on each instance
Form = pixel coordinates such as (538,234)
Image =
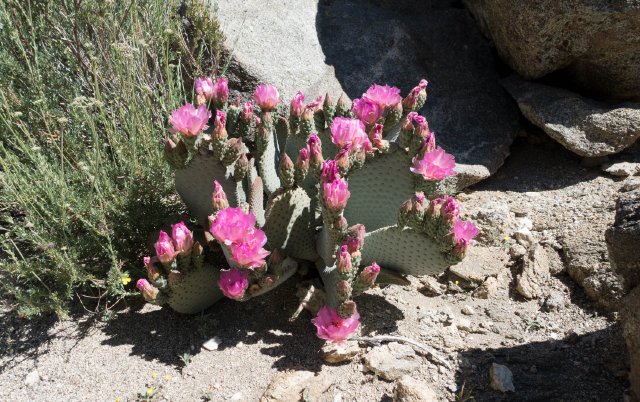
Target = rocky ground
(512,324)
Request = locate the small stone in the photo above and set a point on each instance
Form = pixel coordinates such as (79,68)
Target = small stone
(468,310)
(408,389)
(632,183)
(517,251)
(525,237)
(463,324)
(554,302)
(535,271)
(32,378)
(431,286)
(294,385)
(488,289)
(212,344)
(237,397)
(333,353)
(501,378)
(482,262)
(622,169)
(392,361)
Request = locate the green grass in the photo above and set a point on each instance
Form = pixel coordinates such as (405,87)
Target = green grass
(85,90)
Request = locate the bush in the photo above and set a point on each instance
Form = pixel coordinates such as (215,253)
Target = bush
(85,88)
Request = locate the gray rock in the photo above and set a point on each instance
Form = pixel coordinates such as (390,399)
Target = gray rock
(392,361)
(631,317)
(468,310)
(595,44)
(212,344)
(332,353)
(623,239)
(408,389)
(501,378)
(346,46)
(632,183)
(622,169)
(32,378)
(554,302)
(535,272)
(583,126)
(480,263)
(431,286)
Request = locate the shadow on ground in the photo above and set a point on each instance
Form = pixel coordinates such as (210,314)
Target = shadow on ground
(587,367)
(164,335)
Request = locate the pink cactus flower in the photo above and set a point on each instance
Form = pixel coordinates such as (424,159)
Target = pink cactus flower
(370,273)
(149,292)
(189,121)
(346,131)
(329,171)
(164,248)
(231,225)
(336,194)
(333,328)
(221,119)
(367,110)
(249,253)
(297,104)
(204,87)
(233,283)
(464,231)
(247,112)
(384,95)
(266,96)
(434,165)
(221,91)
(182,238)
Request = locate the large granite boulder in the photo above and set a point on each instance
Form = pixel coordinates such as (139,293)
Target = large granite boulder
(583,126)
(318,46)
(596,44)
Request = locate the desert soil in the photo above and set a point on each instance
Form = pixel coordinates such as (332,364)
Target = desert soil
(570,352)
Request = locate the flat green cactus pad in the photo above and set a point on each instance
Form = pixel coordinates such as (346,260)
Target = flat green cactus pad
(378,190)
(289,224)
(194,183)
(403,250)
(197,290)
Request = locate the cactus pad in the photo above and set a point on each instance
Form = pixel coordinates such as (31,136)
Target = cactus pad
(196,291)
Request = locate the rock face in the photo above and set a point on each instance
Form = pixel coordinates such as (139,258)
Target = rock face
(346,46)
(583,126)
(596,43)
(623,239)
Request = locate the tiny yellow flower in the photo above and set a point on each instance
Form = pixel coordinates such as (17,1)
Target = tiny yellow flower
(150,392)
(118,399)
(167,378)
(125,278)
(507,238)
(154,375)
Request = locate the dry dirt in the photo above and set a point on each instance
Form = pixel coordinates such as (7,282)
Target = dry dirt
(573,352)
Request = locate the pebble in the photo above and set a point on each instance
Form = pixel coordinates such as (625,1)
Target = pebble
(237,397)
(392,361)
(32,378)
(622,169)
(212,344)
(468,310)
(332,353)
(501,378)
(408,389)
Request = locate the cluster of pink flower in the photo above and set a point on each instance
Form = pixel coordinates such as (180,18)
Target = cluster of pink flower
(335,189)
(448,210)
(237,231)
(372,105)
(207,91)
(167,249)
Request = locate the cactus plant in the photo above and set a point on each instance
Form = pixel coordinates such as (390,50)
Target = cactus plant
(379,203)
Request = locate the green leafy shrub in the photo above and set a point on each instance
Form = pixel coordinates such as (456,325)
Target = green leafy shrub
(84,90)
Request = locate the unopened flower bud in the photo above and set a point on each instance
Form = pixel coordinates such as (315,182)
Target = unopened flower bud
(434,210)
(164,248)
(219,198)
(369,274)
(286,171)
(234,149)
(219,126)
(347,309)
(182,238)
(220,92)
(340,223)
(342,160)
(302,165)
(149,292)
(343,107)
(241,167)
(315,150)
(247,112)
(344,290)
(344,260)
(355,241)
(297,104)
(152,271)
(451,210)
(174,277)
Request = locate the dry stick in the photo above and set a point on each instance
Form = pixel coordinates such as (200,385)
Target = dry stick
(376,340)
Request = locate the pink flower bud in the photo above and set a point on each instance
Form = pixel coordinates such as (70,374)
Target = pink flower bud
(315,149)
(434,165)
(182,238)
(410,102)
(419,197)
(219,198)
(303,159)
(355,241)
(333,328)
(247,112)
(343,262)
(189,121)
(152,271)
(233,283)
(267,97)
(204,87)
(451,210)
(434,210)
(344,290)
(336,194)
(370,273)
(314,105)
(367,110)
(297,105)
(149,292)
(342,158)
(423,84)
(329,171)
(164,248)
(221,92)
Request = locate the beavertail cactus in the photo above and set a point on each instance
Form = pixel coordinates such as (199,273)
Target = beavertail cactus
(357,188)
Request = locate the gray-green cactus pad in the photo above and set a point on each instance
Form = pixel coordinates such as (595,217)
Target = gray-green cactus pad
(403,250)
(378,190)
(289,224)
(194,183)
(197,290)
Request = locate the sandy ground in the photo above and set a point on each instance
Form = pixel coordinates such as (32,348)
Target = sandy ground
(575,353)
